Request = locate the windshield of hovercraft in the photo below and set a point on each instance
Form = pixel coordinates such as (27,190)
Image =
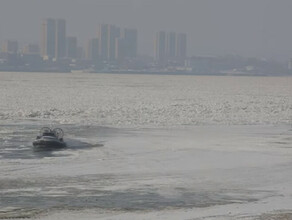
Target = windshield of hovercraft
(49,134)
(57,132)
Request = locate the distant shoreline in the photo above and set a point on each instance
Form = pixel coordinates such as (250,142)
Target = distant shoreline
(149,73)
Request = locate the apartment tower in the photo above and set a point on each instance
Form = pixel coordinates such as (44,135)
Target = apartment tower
(71,47)
(60,39)
(48,38)
(171,45)
(103,41)
(160,46)
(53,44)
(181,46)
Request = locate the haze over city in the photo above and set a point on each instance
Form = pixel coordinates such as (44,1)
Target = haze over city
(146,109)
(252,28)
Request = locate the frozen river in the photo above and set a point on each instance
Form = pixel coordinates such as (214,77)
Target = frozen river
(146,147)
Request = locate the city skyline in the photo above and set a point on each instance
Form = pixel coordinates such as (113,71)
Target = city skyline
(248,28)
(111,43)
(53,31)
(115,49)
(56,43)
(170,46)
(146,109)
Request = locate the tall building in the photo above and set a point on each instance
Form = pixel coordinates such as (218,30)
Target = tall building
(53,38)
(120,49)
(103,41)
(10,46)
(115,44)
(60,39)
(181,46)
(80,52)
(171,45)
(113,34)
(290,64)
(71,47)
(92,49)
(131,42)
(48,38)
(160,46)
(126,45)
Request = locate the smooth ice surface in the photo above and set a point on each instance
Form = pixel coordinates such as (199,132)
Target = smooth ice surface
(146,147)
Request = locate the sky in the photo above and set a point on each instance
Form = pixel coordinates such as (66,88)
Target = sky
(251,28)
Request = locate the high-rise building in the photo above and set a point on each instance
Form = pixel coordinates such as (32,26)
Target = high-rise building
(71,47)
(131,41)
(290,64)
(60,39)
(120,49)
(31,49)
(80,52)
(92,48)
(126,45)
(48,38)
(103,41)
(113,34)
(116,44)
(181,46)
(53,38)
(10,46)
(171,45)
(160,46)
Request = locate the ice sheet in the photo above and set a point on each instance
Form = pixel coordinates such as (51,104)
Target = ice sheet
(146,147)
(155,173)
(145,100)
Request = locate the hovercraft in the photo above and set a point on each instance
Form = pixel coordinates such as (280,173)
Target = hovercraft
(50,138)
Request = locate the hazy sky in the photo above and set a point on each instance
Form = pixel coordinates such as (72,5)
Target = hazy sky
(261,28)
